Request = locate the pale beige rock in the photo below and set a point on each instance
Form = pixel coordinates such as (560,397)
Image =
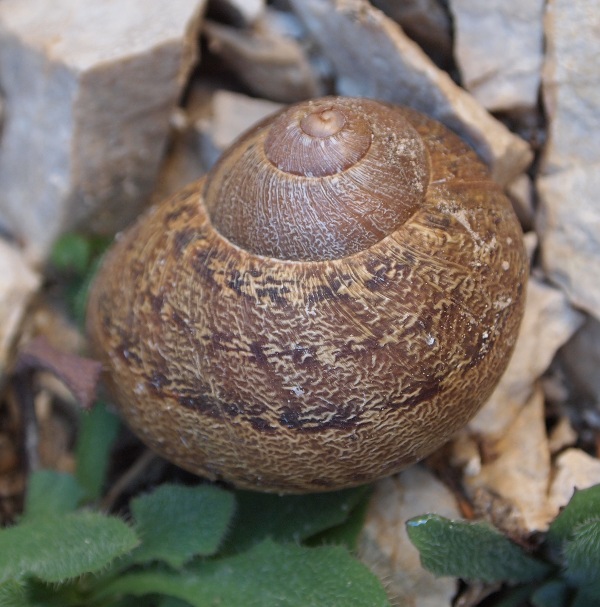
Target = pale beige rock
(569,216)
(498,49)
(89,89)
(568,223)
(427,22)
(230,115)
(520,192)
(184,162)
(240,12)
(575,469)
(519,469)
(581,358)
(563,435)
(571,88)
(548,323)
(269,63)
(18,283)
(384,63)
(384,545)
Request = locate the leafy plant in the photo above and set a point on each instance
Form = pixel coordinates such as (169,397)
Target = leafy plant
(76,257)
(563,572)
(181,545)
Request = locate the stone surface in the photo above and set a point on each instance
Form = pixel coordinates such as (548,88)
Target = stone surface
(230,115)
(270,63)
(240,12)
(520,192)
(384,545)
(581,358)
(18,283)
(87,114)
(569,215)
(498,49)
(427,22)
(518,470)
(568,223)
(575,469)
(548,323)
(389,66)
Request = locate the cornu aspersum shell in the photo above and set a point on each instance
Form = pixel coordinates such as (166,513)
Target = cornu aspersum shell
(337,297)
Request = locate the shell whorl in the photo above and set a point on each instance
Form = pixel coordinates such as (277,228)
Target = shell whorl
(324,180)
(240,365)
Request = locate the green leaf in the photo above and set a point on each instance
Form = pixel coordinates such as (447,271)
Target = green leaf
(472,551)
(80,291)
(347,533)
(98,431)
(267,575)
(586,598)
(516,596)
(13,594)
(177,522)
(583,506)
(582,556)
(289,517)
(71,253)
(49,493)
(58,548)
(554,593)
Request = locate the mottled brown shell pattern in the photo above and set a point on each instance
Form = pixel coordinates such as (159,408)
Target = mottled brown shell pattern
(292,376)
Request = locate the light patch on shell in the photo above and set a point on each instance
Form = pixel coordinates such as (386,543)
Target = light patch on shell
(502,303)
(461,215)
(296,390)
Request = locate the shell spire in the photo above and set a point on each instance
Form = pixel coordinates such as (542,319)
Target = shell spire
(323,180)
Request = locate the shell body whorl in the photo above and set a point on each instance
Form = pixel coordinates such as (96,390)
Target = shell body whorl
(278,371)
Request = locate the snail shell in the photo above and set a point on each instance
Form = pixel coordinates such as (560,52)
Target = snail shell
(337,297)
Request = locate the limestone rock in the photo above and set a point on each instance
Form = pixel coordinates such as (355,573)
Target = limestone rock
(581,357)
(231,114)
(270,63)
(384,545)
(568,223)
(18,283)
(498,49)
(386,64)
(427,22)
(240,12)
(89,87)
(519,469)
(569,217)
(575,469)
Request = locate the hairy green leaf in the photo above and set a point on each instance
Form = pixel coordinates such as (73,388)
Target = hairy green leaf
(289,517)
(58,548)
(71,253)
(50,493)
(582,556)
(472,551)
(585,598)
(97,433)
(554,593)
(177,522)
(267,575)
(13,593)
(583,507)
